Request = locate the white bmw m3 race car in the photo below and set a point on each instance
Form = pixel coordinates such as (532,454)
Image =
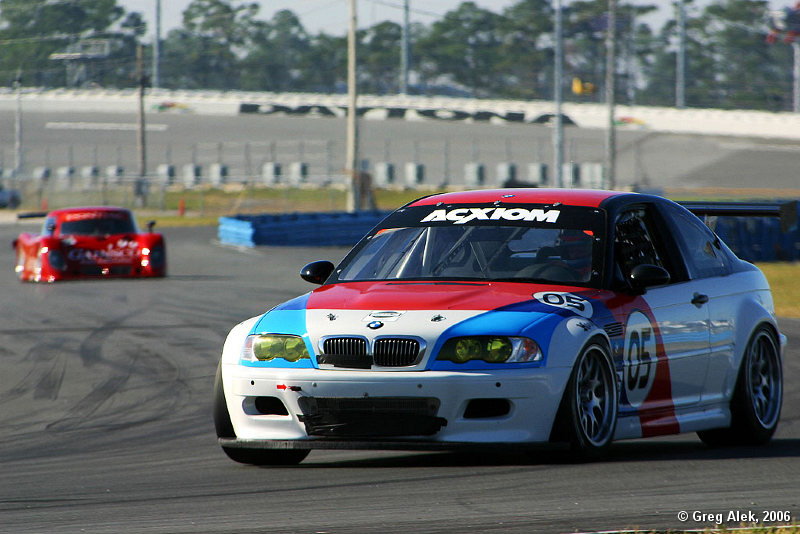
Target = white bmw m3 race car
(511,317)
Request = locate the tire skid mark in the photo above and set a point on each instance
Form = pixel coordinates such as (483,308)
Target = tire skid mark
(49,383)
(148,390)
(89,404)
(90,351)
(46,374)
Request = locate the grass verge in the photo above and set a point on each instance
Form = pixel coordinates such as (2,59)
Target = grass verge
(783,280)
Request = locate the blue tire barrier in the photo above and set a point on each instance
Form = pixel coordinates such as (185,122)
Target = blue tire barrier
(753,239)
(298,229)
(759,239)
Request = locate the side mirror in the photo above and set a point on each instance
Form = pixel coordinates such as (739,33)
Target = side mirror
(647,275)
(150,226)
(317,272)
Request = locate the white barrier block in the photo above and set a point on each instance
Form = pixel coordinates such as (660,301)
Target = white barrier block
(571,175)
(218,173)
(415,174)
(114,173)
(41,174)
(537,173)
(384,174)
(64,177)
(298,172)
(271,173)
(506,173)
(474,174)
(190,175)
(90,175)
(166,173)
(591,175)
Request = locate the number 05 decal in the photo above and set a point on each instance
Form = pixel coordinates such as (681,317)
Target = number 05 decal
(568,301)
(640,358)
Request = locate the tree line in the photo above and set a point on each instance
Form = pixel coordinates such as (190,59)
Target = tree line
(469,51)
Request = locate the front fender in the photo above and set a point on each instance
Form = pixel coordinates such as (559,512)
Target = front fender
(232,349)
(569,338)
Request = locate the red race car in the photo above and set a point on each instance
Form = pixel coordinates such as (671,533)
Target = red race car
(90,242)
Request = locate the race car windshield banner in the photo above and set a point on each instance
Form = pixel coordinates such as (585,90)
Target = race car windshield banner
(555,216)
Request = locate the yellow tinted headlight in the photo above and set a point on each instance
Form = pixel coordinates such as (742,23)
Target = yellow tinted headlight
(498,350)
(267,347)
(466,349)
(491,349)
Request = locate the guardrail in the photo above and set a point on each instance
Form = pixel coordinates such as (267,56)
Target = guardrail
(298,229)
(757,239)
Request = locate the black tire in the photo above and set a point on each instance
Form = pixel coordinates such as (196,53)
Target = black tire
(224,428)
(587,416)
(757,398)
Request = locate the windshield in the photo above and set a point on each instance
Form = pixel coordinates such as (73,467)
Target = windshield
(95,224)
(546,252)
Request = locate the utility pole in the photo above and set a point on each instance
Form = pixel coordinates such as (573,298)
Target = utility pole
(680,66)
(796,76)
(157,47)
(611,58)
(558,130)
(354,194)
(18,127)
(404,52)
(141,185)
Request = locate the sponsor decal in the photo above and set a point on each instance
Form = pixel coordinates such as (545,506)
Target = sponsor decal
(465,215)
(567,301)
(123,249)
(87,215)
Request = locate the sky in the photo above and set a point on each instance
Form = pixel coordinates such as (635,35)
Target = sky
(331,16)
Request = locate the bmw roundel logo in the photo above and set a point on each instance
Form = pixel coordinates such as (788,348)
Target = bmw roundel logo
(374,325)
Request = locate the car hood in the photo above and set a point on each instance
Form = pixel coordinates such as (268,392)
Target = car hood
(431,312)
(452,295)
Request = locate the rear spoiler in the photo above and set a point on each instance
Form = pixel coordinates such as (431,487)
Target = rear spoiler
(31,214)
(787,212)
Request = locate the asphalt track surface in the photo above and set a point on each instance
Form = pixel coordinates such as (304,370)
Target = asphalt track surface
(105,401)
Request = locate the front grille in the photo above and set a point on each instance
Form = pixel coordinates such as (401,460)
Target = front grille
(349,346)
(371,417)
(353,352)
(400,352)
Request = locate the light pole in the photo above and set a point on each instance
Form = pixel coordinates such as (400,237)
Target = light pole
(141,186)
(796,76)
(354,194)
(404,52)
(157,47)
(611,58)
(680,65)
(558,130)
(18,127)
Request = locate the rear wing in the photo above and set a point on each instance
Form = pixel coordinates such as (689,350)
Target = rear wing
(31,214)
(787,212)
